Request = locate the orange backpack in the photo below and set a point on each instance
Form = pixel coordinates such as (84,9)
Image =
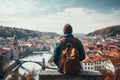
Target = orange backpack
(69,61)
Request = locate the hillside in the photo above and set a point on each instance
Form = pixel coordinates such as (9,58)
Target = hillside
(108,31)
(23,33)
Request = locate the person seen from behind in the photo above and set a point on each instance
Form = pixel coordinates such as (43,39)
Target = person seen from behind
(65,64)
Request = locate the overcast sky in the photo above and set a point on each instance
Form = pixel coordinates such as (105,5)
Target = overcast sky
(50,15)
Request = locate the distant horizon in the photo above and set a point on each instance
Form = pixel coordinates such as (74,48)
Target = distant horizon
(84,16)
(56,32)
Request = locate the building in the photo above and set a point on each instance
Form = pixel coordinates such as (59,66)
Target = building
(15,43)
(94,64)
(113,64)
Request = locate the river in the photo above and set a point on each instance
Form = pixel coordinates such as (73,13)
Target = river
(29,66)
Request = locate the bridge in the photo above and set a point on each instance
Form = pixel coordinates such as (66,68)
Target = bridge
(16,64)
(41,64)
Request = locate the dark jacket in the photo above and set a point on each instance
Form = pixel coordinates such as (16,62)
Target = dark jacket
(60,46)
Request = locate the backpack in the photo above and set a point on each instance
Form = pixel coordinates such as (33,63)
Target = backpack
(69,61)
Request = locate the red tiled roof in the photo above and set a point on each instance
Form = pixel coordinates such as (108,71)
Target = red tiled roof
(115,61)
(113,54)
(94,59)
(35,44)
(99,58)
(1,49)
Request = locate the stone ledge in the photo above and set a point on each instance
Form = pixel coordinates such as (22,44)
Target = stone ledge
(84,75)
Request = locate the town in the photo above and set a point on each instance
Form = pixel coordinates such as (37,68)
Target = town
(101,52)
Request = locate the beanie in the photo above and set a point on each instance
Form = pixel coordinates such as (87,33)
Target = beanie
(67,28)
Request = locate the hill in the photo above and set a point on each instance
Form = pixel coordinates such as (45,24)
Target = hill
(23,33)
(108,31)
(79,34)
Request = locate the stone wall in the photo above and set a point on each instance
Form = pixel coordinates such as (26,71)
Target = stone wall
(84,75)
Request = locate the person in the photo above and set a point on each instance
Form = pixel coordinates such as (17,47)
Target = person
(68,36)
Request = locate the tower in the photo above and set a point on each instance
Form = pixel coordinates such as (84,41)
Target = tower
(15,44)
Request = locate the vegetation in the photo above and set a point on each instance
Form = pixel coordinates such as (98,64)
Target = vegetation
(16,76)
(109,31)
(23,33)
(109,75)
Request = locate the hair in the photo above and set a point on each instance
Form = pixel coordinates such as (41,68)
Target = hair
(67,28)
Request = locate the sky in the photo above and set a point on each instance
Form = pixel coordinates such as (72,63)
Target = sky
(51,15)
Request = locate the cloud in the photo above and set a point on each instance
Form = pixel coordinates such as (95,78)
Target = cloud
(82,20)
(52,15)
(32,8)
(19,8)
(6,8)
(29,8)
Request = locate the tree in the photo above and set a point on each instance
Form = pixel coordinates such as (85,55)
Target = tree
(107,78)
(117,73)
(107,74)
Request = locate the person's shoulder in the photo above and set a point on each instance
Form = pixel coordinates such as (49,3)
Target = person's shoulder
(62,36)
(77,39)
(59,39)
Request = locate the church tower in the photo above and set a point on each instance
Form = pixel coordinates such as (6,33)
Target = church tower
(15,44)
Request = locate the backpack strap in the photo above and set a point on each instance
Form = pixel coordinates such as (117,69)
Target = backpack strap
(63,40)
(73,41)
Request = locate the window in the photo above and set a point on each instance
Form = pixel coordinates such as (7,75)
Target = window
(91,63)
(99,62)
(95,67)
(91,68)
(99,67)
(103,66)
(88,67)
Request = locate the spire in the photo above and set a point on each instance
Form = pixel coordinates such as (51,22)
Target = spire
(15,34)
